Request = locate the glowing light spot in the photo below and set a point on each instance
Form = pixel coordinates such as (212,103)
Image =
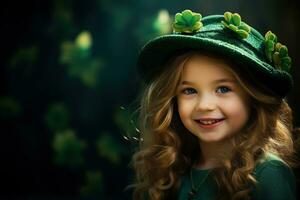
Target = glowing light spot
(162,24)
(84,40)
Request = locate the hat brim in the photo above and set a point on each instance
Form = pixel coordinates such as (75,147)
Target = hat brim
(156,53)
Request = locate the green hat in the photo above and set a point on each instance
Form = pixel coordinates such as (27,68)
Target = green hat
(228,36)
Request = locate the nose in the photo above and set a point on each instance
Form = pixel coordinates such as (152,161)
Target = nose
(206,102)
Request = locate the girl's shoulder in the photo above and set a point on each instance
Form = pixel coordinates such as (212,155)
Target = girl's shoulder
(271,160)
(275,179)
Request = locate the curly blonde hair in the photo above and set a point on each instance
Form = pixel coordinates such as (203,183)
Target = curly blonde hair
(167,150)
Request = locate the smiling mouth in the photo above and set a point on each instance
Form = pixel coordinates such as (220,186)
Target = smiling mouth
(208,121)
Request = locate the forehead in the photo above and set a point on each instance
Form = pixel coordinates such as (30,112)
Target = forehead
(201,67)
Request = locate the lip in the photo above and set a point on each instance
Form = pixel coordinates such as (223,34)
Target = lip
(210,126)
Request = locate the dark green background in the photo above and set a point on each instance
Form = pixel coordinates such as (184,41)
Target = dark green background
(67,122)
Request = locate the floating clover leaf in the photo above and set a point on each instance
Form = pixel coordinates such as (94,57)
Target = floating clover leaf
(68,149)
(77,56)
(276,52)
(187,22)
(109,148)
(234,23)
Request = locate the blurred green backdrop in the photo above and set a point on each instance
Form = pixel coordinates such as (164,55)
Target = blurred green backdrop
(69,87)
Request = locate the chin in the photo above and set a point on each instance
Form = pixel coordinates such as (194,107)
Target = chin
(208,140)
(211,139)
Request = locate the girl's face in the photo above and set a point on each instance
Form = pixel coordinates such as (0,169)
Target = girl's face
(211,103)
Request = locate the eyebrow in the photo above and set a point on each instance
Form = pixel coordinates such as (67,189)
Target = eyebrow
(224,80)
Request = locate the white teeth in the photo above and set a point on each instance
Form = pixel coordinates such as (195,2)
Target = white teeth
(207,122)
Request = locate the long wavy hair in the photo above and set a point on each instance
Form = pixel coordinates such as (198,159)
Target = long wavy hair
(167,149)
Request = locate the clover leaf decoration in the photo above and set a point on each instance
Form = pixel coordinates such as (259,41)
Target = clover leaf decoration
(187,22)
(233,22)
(276,52)
(270,42)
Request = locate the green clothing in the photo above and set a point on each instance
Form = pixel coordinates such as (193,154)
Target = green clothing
(276,181)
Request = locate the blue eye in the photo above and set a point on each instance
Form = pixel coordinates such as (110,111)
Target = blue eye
(223,89)
(189,91)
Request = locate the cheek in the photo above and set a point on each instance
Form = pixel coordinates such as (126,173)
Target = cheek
(185,109)
(237,109)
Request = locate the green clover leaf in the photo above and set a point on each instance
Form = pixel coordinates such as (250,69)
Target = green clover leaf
(110,148)
(234,22)
(276,52)
(270,42)
(68,148)
(187,22)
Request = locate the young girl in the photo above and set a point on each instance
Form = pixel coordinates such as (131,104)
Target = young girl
(214,121)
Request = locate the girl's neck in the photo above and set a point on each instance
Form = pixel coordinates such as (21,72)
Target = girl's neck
(212,153)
